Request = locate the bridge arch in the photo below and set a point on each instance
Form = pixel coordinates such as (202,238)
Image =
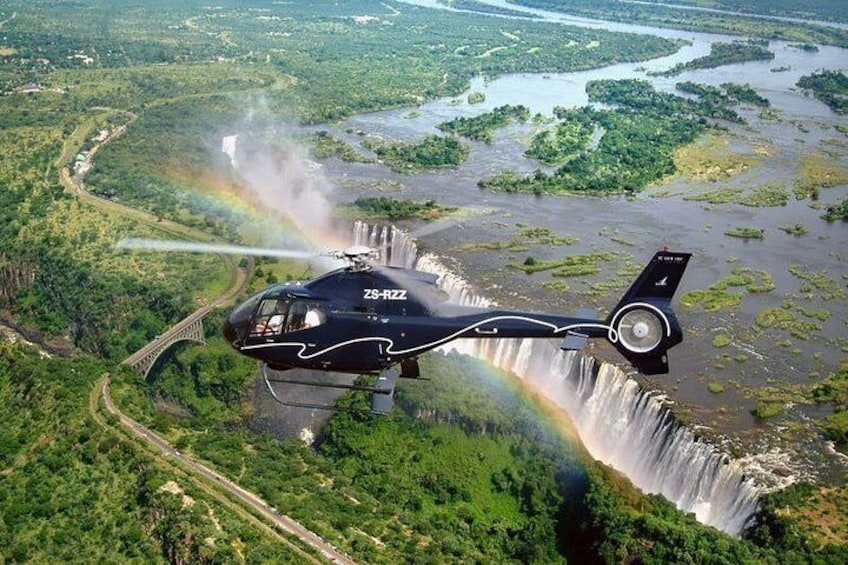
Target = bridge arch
(189,329)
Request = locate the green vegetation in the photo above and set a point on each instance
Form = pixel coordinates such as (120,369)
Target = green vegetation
(831,87)
(566,139)
(179,76)
(715,388)
(378,486)
(836,212)
(557,286)
(721,340)
(711,158)
(761,196)
(723,54)
(433,152)
(381,67)
(804,519)
(637,147)
(60,275)
(766,410)
(481,128)
(74,487)
(325,145)
(828,288)
(572,266)
(719,295)
(818,171)
(476,98)
(745,232)
(729,93)
(185,85)
(394,209)
(797,229)
(744,94)
(836,427)
(785,319)
(830,10)
(523,240)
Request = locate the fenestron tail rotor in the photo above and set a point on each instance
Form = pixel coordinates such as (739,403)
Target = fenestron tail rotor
(640,330)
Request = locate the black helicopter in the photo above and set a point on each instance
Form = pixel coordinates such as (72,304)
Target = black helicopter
(367,319)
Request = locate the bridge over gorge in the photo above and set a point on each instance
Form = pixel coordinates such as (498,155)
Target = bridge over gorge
(190,328)
(187,329)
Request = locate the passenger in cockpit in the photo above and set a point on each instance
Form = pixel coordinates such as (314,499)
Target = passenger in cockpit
(312,318)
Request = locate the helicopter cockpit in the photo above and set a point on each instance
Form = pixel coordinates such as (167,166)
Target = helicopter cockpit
(283,315)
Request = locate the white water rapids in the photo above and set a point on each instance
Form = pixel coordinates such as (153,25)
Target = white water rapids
(619,423)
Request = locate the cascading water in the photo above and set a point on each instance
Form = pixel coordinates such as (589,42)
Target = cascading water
(620,424)
(395,247)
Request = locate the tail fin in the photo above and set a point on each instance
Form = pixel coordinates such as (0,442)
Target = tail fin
(643,326)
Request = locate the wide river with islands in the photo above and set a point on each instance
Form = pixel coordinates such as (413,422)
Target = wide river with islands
(659,217)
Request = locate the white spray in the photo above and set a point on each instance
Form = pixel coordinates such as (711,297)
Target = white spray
(284,181)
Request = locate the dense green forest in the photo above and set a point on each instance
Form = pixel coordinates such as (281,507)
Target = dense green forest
(404,209)
(723,54)
(569,137)
(433,151)
(636,148)
(75,490)
(482,127)
(831,87)
(728,94)
(838,211)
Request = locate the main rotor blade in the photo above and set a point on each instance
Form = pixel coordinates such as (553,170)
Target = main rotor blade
(195,247)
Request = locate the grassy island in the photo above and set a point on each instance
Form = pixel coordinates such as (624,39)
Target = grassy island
(481,128)
(723,54)
(831,87)
(636,145)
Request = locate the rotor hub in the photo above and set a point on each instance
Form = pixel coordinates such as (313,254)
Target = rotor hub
(359,257)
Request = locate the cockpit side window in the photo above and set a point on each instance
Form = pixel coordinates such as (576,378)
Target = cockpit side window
(304,315)
(274,317)
(270,317)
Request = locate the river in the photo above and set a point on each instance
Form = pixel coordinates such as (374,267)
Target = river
(660,216)
(633,228)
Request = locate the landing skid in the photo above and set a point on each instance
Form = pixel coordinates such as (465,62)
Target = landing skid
(382,399)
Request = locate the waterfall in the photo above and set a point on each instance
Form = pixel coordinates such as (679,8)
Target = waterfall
(395,246)
(620,424)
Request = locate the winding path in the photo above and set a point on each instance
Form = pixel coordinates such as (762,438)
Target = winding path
(243,496)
